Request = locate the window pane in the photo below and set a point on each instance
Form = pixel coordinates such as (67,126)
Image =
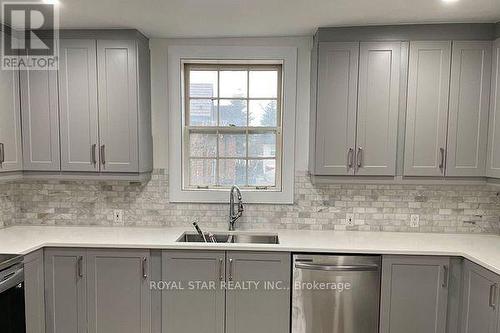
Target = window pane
(233,112)
(232,145)
(263,84)
(202,112)
(262,145)
(233,84)
(203,83)
(202,145)
(261,172)
(202,172)
(263,113)
(232,172)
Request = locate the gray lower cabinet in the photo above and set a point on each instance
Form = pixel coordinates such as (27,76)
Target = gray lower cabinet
(263,308)
(493,159)
(480,311)
(414,294)
(65,290)
(118,294)
(193,310)
(206,306)
(34,292)
(97,291)
(40,120)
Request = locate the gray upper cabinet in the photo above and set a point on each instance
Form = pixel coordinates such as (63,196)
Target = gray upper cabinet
(118,105)
(65,291)
(336,108)
(414,294)
(10,122)
(119,298)
(427,108)
(78,105)
(493,159)
(480,312)
(469,107)
(258,309)
(40,120)
(378,105)
(188,310)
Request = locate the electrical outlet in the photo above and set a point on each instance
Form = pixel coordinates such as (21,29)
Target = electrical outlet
(415,221)
(349,218)
(118,216)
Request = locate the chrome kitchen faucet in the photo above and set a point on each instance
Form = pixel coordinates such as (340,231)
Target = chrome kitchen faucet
(233,215)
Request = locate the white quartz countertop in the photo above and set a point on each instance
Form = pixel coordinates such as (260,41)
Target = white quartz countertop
(481,249)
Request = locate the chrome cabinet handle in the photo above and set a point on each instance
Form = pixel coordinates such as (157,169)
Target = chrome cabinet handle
(2,153)
(350,158)
(221,266)
(441,165)
(230,269)
(79,266)
(493,295)
(92,154)
(103,154)
(445,276)
(145,267)
(359,157)
(337,268)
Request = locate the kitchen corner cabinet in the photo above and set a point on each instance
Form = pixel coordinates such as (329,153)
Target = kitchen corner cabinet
(356,109)
(493,159)
(34,289)
(414,294)
(97,291)
(218,310)
(40,120)
(480,311)
(10,122)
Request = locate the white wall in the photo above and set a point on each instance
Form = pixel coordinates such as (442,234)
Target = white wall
(160,92)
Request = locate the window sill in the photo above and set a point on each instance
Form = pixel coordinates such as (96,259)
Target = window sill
(222,196)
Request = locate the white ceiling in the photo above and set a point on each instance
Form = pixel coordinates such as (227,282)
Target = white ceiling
(221,18)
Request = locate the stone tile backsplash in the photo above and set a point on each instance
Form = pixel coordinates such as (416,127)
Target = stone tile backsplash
(442,208)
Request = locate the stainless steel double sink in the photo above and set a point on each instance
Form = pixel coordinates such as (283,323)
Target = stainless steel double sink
(245,238)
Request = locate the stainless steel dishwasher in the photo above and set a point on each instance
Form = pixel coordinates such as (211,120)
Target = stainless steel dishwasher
(336,294)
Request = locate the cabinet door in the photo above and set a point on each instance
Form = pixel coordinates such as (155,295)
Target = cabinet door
(480,294)
(40,120)
(10,122)
(65,291)
(117,61)
(336,108)
(493,160)
(78,105)
(427,109)
(378,105)
(34,288)
(264,307)
(193,310)
(119,298)
(469,107)
(414,294)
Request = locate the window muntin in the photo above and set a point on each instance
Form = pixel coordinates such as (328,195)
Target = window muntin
(232,126)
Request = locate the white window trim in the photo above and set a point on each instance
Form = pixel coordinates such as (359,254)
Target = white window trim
(179,54)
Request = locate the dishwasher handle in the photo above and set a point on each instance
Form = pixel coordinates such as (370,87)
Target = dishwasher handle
(337,268)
